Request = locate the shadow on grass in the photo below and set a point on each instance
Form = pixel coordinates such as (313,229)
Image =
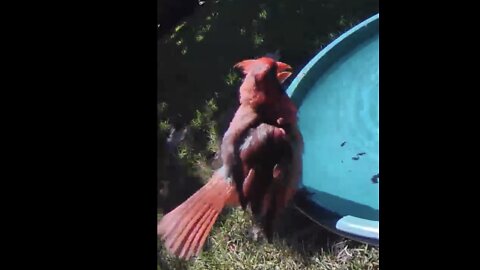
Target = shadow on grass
(175,181)
(195,59)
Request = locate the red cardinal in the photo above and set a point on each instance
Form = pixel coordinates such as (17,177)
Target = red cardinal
(261,154)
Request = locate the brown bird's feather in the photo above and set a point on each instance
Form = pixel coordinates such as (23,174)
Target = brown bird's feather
(185,228)
(261,154)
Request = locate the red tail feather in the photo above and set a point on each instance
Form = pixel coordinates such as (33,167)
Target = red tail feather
(186,228)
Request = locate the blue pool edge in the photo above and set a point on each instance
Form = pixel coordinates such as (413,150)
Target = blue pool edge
(298,79)
(359,229)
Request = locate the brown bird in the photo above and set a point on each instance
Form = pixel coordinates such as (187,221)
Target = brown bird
(261,154)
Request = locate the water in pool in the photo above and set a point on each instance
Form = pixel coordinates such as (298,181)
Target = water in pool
(339,119)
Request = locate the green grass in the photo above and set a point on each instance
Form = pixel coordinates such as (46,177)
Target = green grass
(199,88)
(305,246)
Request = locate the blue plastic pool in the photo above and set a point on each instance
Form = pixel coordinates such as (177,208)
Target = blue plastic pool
(338,97)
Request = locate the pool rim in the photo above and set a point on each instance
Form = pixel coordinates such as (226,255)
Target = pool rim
(358,229)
